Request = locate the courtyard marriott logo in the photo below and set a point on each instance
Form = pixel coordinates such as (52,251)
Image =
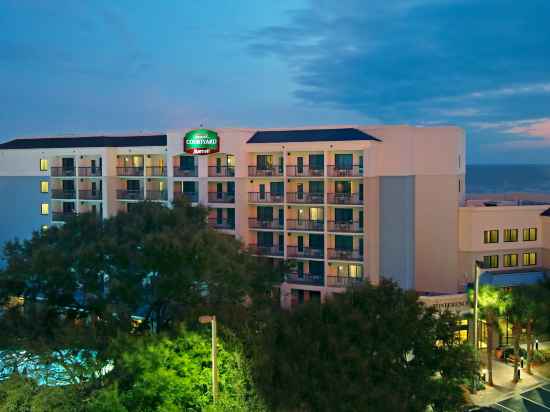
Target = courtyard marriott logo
(201,142)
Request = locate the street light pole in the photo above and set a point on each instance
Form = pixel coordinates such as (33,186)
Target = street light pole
(212,321)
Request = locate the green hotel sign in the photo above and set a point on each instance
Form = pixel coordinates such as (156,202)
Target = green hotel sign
(201,142)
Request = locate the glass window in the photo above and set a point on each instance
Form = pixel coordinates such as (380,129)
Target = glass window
(343,161)
(343,215)
(510,235)
(316,161)
(490,236)
(187,163)
(529,259)
(490,261)
(44,186)
(511,260)
(355,271)
(530,234)
(343,242)
(43,165)
(44,208)
(316,213)
(264,162)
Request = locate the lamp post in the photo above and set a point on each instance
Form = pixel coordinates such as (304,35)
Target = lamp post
(212,320)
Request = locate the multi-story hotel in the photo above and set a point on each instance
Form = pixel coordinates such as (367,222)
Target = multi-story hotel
(345,204)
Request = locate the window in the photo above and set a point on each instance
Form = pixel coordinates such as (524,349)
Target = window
(529,259)
(459,186)
(44,208)
(511,260)
(43,165)
(44,186)
(490,236)
(530,234)
(44,227)
(510,235)
(490,262)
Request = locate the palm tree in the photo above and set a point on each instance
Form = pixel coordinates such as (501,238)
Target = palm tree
(519,312)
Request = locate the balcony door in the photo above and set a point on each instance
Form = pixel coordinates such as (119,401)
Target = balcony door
(317,242)
(300,165)
(300,191)
(343,215)
(316,268)
(68,186)
(343,161)
(265,239)
(132,186)
(316,214)
(316,163)
(343,243)
(231,217)
(300,243)
(67,163)
(264,213)
(187,163)
(68,207)
(219,216)
(188,187)
(264,162)
(219,191)
(342,187)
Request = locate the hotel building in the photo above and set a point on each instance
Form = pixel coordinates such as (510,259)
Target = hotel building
(345,204)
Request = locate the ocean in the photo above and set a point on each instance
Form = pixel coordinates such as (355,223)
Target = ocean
(508,179)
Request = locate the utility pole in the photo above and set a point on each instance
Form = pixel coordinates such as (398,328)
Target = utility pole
(212,321)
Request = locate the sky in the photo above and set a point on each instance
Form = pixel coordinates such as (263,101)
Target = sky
(81,67)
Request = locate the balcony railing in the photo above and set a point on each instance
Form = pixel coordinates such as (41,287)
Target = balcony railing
(266,250)
(305,252)
(265,197)
(274,224)
(303,197)
(62,216)
(345,198)
(305,278)
(160,195)
(221,224)
(306,225)
(156,170)
(304,171)
(129,194)
(129,171)
(186,172)
(342,254)
(89,194)
(345,171)
(221,197)
(345,227)
(63,194)
(255,171)
(58,171)
(343,281)
(192,197)
(89,171)
(221,171)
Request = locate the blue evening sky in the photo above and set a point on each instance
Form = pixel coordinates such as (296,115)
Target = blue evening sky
(72,66)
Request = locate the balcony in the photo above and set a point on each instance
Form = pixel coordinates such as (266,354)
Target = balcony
(57,171)
(343,281)
(89,194)
(191,197)
(129,171)
(265,197)
(221,171)
(157,195)
(221,197)
(342,254)
(302,197)
(156,171)
(305,278)
(304,252)
(224,224)
(345,198)
(345,227)
(89,171)
(63,194)
(129,194)
(266,250)
(305,225)
(186,172)
(345,171)
(265,224)
(62,216)
(304,171)
(255,171)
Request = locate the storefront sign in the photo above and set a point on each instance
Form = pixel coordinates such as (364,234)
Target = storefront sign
(201,142)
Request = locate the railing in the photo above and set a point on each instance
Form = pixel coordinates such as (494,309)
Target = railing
(187,172)
(297,224)
(305,278)
(342,254)
(345,227)
(303,197)
(161,195)
(266,250)
(62,216)
(129,171)
(265,224)
(255,171)
(221,224)
(265,197)
(129,194)
(156,170)
(345,171)
(58,171)
(304,171)
(89,194)
(305,252)
(345,198)
(192,197)
(221,197)
(89,171)
(63,194)
(221,171)
(343,281)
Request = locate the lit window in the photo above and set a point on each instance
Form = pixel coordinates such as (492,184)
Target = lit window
(490,236)
(510,235)
(44,208)
(43,165)
(530,234)
(44,227)
(490,262)
(511,260)
(44,186)
(529,259)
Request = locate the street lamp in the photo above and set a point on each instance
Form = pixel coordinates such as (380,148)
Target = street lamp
(212,320)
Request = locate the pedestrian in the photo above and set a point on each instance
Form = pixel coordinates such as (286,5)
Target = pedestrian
(522,362)
(537,345)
